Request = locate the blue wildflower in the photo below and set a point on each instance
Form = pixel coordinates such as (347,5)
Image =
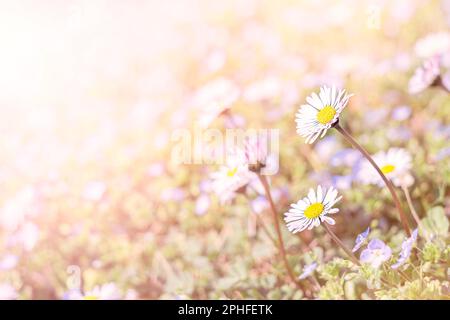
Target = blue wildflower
(361,239)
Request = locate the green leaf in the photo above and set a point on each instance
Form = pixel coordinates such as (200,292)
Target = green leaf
(436,223)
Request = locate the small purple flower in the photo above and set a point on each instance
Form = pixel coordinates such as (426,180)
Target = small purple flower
(8,262)
(202,204)
(375,117)
(308,270)
(401,133)
(205,186)
(401,113)
(346,157)
(342,182)
(442,154)
(361,239)
(327,147)
(259,204)
(173,194)
(376,254)
(407,246)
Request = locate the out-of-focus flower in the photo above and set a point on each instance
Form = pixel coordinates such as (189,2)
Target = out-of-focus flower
(320,113)
(401,113)
(342,182)
(395,164)
(173,194)
(374,117)
(202,204)
(8,292)
(263,90)
(407,246)
(15,211)
(205,186)
(94,191)
(107,291)
(26,236)
(73,294)
(346,157)
(442,154)
(361,239)
(400,133)
(425,76)
(231,177)
(156,169)
(376,253)
(433,44)
(308,270)
(259,204)
(8,262)
(131,294)
(215,60)
(326,148)
(312,210)
(215,98)
(402,10)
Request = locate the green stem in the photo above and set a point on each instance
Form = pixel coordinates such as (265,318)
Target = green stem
(410,205)
(341,244)
(281,247)
(388,183)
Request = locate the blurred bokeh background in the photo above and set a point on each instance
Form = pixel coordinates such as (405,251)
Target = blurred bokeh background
(91,92)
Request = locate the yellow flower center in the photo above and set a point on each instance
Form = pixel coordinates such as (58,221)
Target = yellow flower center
(314,210)
(325,115)
(387,168)
(232,172)
(90,298)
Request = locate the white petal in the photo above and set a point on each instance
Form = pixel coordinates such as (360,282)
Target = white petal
(328,220)
(312,196)
(319,194)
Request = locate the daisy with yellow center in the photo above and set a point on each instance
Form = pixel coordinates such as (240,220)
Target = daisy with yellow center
(312,210)
(320,113)
(395,165)
(231,176)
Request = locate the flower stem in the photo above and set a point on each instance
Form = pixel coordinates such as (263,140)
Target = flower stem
(411,206)
(386,180)
(339,243)
(278,229)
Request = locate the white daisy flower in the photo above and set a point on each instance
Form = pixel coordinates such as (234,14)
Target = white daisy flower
(320,113)
(231,177)
(310,211)
(425,76)
(395,164)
